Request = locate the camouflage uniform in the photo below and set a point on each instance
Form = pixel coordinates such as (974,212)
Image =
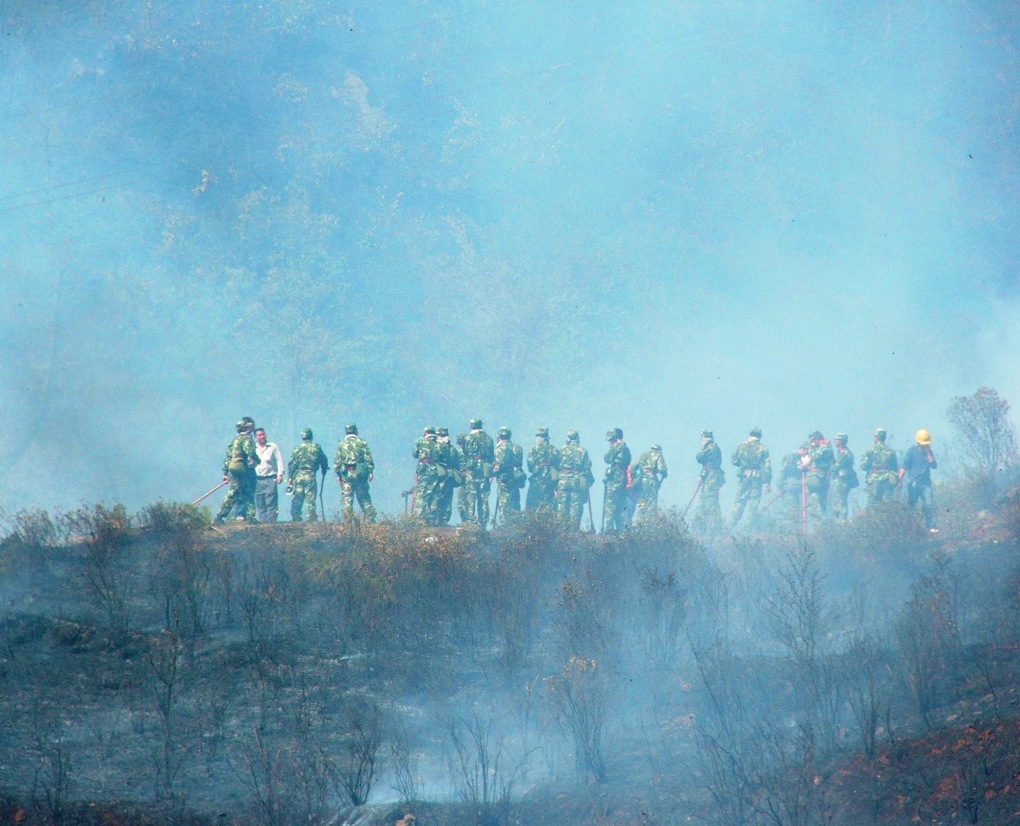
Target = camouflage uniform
(479,455)
(880,466)
(462,492)
(450,461)
(708,520)
(575,480)
(614,502)
(647,473)
(307,460)
(428,478)
(354,470)
(509,472)
(844,478)
(239,469)
(819,461)
(544,466)
(754,471)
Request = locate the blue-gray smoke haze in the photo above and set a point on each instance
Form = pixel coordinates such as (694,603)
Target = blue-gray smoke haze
(662,216)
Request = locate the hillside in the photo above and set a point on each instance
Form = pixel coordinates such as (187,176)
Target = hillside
(156,669)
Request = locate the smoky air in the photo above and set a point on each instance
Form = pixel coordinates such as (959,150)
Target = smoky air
(660,217)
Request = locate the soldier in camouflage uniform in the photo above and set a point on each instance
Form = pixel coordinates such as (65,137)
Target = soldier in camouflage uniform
(450,460)
(844,478)
(708,520)
(647,473)
(239,470)
(614,502)
(544,466)
(880,467)
(428,478)
(462,493)
(307,460)
(479,456)
(354,470)
(754,471)
(575,480)
(508,470)
(818,462)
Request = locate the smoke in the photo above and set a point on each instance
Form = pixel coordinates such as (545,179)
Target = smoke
(664,217)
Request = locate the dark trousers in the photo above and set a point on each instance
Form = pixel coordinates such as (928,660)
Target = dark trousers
(266,500)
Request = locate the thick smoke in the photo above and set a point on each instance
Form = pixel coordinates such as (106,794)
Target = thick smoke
(667,217)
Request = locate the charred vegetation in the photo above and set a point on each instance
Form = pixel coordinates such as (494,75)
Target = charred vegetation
(159,669)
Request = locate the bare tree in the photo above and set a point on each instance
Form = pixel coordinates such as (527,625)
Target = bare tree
(183,578)
(486,772)
(866,689)
(929,644)
(284,768)
(104,533)
(982,422)
(50,756)
(580,702)
(664,610)
(802,622)
(355,769)
(167,673)
(405,763)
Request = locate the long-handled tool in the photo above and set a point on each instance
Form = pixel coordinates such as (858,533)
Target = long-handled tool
(693,497)
(211,491)
(803,503)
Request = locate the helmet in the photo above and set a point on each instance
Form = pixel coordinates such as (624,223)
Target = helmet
(657,448)
(505,432)
(707,434)
(476,424)
(880,433)
(351,428)
(840,437)
(756,432)
(573,436)
(923,437)
(816,436)
(442,431)
(306,434)
(614,433)
(429,431)
(543,432)
(241,425)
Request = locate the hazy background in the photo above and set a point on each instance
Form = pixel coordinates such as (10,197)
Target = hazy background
(661,216)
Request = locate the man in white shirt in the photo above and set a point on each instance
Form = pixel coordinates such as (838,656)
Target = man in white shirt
(268,474)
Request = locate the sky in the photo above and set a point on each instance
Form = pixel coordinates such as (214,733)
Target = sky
(662,216)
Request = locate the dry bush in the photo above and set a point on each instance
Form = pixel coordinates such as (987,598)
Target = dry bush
(880,534)
(169,518)
(107,572)
(33,528)
(360,758)
(484,769)
(579,696)
(928,642)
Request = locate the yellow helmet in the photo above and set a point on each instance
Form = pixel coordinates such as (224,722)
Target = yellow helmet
(923,437)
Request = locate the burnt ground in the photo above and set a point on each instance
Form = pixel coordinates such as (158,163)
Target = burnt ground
(183,674)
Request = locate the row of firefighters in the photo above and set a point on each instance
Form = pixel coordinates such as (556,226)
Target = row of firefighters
(815,481)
